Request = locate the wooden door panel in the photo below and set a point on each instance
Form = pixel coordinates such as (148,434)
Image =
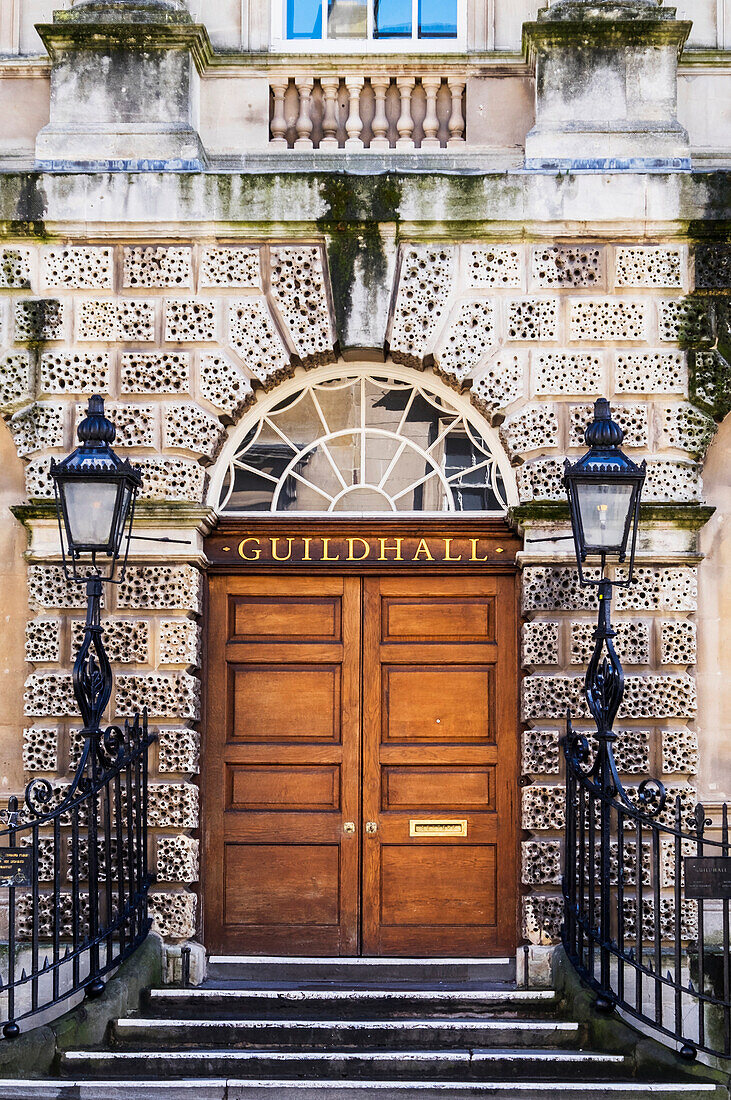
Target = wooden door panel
(438,788)
(285,703)
(278,789)
(258,618)
(282,884)
(432,619)
(419,879)
(439,753)
(282,765)
(439,705)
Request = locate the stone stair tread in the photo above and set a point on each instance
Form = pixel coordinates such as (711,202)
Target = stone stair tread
(344,993)
(467,1054)
(224,1088)
(137,1023)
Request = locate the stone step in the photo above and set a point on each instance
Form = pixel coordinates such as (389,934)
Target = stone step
(369,971)
(344,1003)
(279,1089)
(352,1034)
(414,1065)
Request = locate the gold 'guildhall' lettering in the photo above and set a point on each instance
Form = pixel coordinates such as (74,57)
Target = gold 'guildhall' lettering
(357,548)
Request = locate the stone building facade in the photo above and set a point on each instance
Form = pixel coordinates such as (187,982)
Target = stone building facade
(429,213)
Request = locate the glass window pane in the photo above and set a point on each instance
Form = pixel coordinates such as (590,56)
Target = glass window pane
(392,19)
(437,18)
(347,19)
(304,18)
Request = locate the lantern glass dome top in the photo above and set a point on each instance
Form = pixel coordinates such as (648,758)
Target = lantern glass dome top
(604,488)
(95,493)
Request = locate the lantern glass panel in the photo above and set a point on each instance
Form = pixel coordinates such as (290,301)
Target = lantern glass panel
(90,508)
(604,507)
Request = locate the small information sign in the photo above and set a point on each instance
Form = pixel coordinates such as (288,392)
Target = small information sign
(15,867)
(708,877)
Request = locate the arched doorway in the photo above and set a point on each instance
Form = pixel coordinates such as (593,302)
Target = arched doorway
(360,763)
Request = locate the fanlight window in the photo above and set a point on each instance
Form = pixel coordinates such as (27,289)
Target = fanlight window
(361,444)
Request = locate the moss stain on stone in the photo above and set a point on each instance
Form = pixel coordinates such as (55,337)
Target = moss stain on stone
(356,209)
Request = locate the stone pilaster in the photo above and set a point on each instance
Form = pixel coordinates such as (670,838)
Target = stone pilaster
(132,64)
(606,86)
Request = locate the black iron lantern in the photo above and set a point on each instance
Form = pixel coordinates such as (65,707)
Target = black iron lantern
(604,488)
(95,496)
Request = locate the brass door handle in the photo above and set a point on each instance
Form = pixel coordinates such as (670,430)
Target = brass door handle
(349,827)
(371,827)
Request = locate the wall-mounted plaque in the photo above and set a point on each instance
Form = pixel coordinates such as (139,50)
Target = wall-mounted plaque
(708,877)
(16,867)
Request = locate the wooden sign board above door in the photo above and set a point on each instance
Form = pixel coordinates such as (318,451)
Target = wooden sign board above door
(362,545)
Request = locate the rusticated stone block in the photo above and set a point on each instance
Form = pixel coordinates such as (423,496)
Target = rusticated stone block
(171,479)
(532,429)
(254,337)
(541,862)
(75,372)
(127,641)
(542,918)
(43,641)
(551,588)
(501,383)
(190,320)
(165,695)
(173,806)
(424,288)
(541,751)
(567,266)
(651,372)
(677,642)
(16,380)
(40,749)
(160,587)
(178,751)
(544,807)
(298,289)
(540,644)
(608,319)
(224,384)
(189,427)
(177,859)
(230,266)
(632,419)
(157,266)
(650,266)
(49,695)
(180,641)
(493,266)
(467,340)
(632,642)
(86,267)
(48,588)
(156,372)
(533,319)
(173,915)
(38,427)
(679,750)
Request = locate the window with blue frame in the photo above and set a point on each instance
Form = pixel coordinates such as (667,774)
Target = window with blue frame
(386,19)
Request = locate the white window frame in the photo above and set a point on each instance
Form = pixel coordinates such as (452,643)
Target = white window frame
(302,379)
(370,45)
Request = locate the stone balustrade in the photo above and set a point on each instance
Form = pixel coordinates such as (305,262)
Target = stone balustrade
(379,111)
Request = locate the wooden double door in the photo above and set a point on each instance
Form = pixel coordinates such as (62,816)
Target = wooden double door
(360,769)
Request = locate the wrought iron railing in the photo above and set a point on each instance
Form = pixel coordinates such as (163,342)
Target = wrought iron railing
(76,871)
(648,931)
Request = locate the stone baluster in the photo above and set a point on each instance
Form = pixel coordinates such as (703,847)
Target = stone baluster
(278,126)
(330,87)
(456,119)
(405,124)
(354,124)
(431,85)
(303,124)
(379,126)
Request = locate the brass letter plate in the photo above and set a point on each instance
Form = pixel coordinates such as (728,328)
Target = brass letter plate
(451,827)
